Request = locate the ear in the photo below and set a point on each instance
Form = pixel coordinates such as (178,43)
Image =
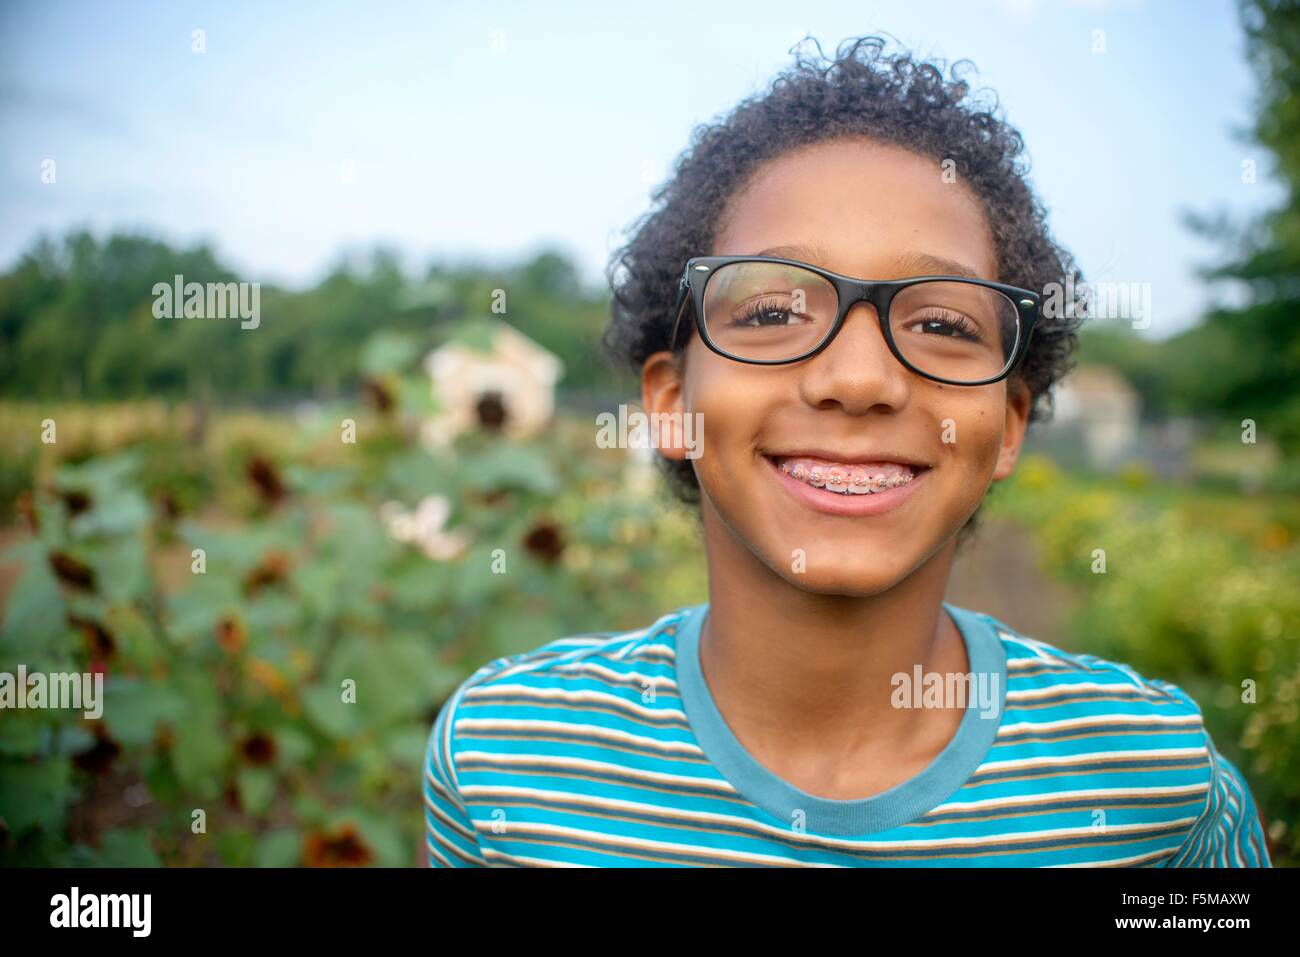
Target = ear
(662,396)
(1019,404)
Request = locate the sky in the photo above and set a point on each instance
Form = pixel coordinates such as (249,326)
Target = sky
(488,131)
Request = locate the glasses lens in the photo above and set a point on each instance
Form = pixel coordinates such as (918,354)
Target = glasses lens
(955,330)
(768,311)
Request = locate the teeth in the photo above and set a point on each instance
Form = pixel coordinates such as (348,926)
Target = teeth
(847,480)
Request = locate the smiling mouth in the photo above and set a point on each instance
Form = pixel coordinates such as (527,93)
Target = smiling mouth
(848,478)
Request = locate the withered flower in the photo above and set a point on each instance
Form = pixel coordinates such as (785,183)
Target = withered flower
(378,394)
(258,748)
(99,642)
(265,477)
(545,542)
(25,505)
(231,634)
(271,571)
(496,496)
(72,571)
(171,509)
(75,501)
(99,757)
(343,847)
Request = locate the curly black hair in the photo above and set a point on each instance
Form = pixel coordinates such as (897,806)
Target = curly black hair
(863,92)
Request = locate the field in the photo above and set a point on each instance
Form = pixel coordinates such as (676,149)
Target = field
(279,611)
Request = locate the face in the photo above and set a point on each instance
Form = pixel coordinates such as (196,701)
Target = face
(853,411)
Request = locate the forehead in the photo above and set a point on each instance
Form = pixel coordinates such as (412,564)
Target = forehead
(869,209)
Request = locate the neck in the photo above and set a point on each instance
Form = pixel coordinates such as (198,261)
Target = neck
(810,676)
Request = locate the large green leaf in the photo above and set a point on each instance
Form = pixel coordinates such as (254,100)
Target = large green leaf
(127,847)
(34,613)
(196,610)
(507,466)
(388,351)
(256,789)
(394,676)
(200,749)
(133,709)
(34,794)
(281,847)
(331,715)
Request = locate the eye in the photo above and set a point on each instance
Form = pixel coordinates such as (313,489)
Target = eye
(943,323)
(763,312)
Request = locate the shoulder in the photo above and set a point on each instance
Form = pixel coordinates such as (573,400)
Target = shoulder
(1108,719)
(583,653)
(589,677)
(1038,671)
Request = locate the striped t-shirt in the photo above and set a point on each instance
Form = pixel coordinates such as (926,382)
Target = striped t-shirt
(607,750)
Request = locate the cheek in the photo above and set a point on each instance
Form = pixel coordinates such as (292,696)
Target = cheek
(731,401)
(970,427)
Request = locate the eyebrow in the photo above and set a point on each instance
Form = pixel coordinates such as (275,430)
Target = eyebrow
(910,263)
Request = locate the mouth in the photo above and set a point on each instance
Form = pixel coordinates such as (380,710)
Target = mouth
(848,476)
(844,485)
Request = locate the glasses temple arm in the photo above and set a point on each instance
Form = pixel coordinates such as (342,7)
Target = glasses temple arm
(682,300)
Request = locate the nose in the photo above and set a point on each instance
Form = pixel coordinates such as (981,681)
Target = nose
(856,372)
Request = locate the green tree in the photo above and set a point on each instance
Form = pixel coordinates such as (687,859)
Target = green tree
(1253,351)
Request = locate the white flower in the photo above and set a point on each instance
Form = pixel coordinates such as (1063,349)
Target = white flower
(425,527)
(516,373)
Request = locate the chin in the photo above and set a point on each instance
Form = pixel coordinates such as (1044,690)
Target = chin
(857,579)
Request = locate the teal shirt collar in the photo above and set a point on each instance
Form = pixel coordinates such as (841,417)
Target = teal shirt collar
(964,753)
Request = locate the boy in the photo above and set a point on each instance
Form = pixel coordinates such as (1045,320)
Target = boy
(845,280)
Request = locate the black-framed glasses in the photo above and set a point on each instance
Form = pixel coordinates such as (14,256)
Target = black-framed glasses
(768,311)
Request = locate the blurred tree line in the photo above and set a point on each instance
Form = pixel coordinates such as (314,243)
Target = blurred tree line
(77,321)
(76,315)
(1243,361)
